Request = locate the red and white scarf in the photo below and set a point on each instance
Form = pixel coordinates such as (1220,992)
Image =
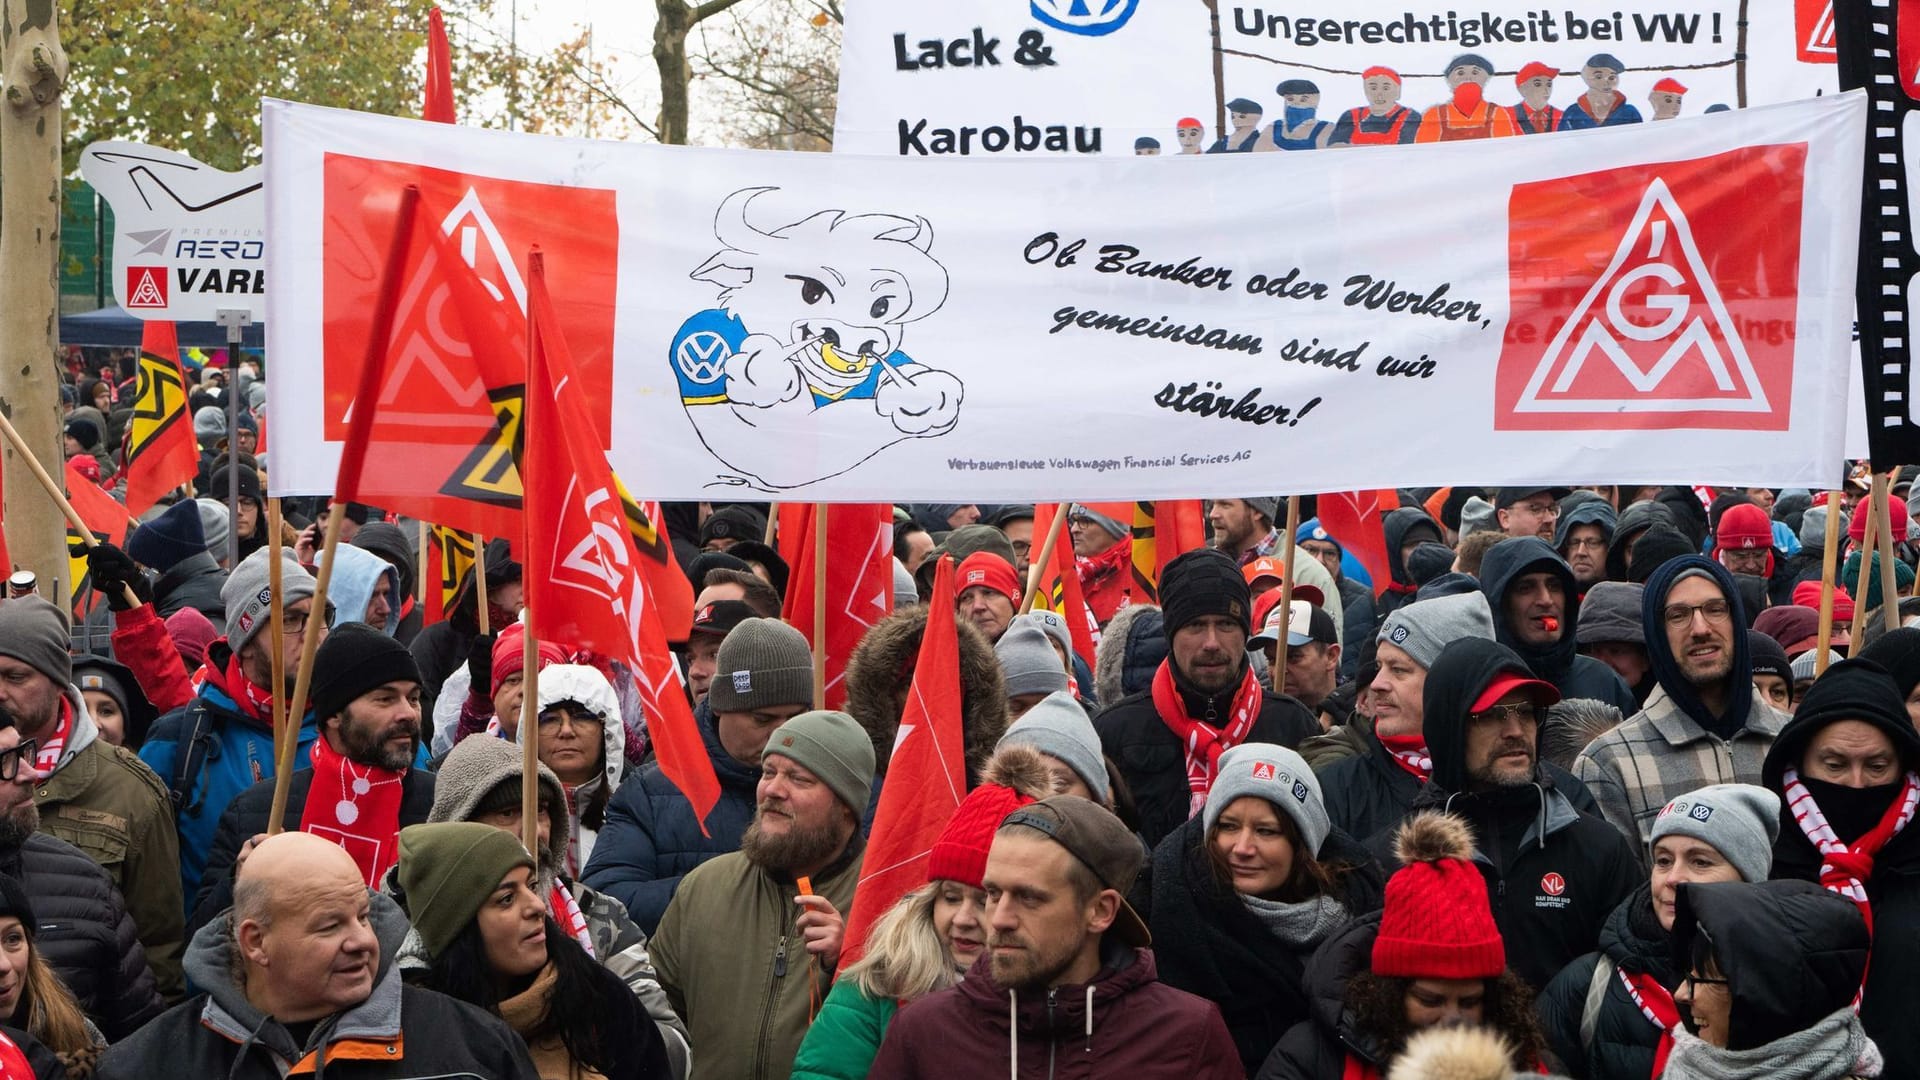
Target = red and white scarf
(566,911)
(1655,1002)
(355,806)
(1204,743)
(47,757)
(1410,753)
(1844,868)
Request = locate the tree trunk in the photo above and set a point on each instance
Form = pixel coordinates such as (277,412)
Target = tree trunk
(33,69)
(670,56)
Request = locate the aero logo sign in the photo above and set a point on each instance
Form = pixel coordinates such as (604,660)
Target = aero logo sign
(1653,297)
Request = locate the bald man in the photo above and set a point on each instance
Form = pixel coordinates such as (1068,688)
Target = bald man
(299,971)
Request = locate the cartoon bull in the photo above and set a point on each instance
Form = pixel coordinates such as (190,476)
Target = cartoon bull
(798,375)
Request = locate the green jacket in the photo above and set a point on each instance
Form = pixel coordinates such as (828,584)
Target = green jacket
(845,1036)
(737,971)
(104,800)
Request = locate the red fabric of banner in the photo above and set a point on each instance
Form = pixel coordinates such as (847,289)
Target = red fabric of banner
(859,582)
(1354,518)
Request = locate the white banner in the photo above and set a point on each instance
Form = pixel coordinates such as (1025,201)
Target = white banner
(1639,305)
(990,77)
(188,239)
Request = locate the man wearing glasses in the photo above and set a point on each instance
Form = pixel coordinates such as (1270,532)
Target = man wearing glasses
(1554,874)
(1703,724)
(1525,511)
(92,794)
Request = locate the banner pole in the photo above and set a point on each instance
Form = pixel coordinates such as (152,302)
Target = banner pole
(480,608)
(530,741)
(1889,584)
(1866,549)
(276,637)
(303,681)
(773,522)
(1279,672)
(420,578)
(1037,569)
(820,605)
(1828,557)
(59,497)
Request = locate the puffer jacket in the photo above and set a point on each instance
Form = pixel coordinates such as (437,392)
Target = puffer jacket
(651,839)
(193,582)
(1130,650)
(1153,762)
(1317,1048)
(881,670)
(85,933)
(1559,663)
(1356,625)
(1124,1023)
(397,1033)
(843,1039)
(1624,1040)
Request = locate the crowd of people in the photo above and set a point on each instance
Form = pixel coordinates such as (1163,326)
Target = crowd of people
(1566,788)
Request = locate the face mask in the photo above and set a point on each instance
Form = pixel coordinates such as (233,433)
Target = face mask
(1297,115)
(1853,812)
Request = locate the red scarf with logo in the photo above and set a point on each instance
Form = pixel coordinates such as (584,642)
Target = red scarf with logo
(47,758)
(254,702)
(1410,753)
(1204,742)
(355,806)
(566,911)
(1656,1004)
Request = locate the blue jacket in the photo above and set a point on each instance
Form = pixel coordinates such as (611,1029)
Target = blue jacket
(239,754)
(651,839)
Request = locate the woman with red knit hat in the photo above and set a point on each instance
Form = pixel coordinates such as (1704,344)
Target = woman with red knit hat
(1432,956)
(929,939)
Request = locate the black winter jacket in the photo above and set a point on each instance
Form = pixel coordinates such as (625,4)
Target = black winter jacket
(1208,943)
(1400,527)
(86,933)
(1154,764)
(246,817)
(1317,1048)
(193,583)
(1357,625)
(1560,663)
(1624,1040)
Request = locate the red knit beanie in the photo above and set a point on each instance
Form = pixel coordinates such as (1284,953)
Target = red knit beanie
(1437,923)
(1807,594)
(1857,526)
(510,653)
(986,569)
(1014,777)
(1744,525)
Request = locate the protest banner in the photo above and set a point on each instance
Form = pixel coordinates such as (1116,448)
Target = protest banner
(994,77)
(190,240)
(844,329)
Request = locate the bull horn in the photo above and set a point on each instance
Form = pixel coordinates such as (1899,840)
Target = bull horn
(730,221)
(922,237)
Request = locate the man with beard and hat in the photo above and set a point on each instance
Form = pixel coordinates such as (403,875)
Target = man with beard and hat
(1704,724)
(748,946)
(363,785)
(1845,769)
(1536,614)
(1204,700)
(1554,873)
(1243,528)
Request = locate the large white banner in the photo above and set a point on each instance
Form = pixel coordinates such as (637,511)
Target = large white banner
(994,77)
(1649,304)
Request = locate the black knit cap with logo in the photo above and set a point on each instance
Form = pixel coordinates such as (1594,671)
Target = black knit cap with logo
(1204,582)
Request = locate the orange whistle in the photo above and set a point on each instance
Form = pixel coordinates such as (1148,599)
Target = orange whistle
(806,886)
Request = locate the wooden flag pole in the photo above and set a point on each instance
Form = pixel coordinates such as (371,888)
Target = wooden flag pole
(1889,584)
(303,680)
(530,741)
(1279,673)
(820,605)
(1037,569)
(284,739)
(1828,557)
(480,608)
(59,497)
(1866,548)
(773,522)
(420,579)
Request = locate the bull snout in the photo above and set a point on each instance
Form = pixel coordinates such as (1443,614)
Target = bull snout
(846,338)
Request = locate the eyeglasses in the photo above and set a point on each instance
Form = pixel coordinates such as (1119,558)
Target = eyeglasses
(295,622)
(1716,611)
(1702,980)
(1539,509)
(1522,711)
(550,721)
(10,759)
(1586,543)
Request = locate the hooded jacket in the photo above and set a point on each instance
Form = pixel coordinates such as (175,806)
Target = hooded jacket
(1396,527)
(1777,991)
(398,1033)
(1123,1023)
(1634,520)
(1624,1040)
(356,574)
(1560,662)
(650,838)
(1318,1047)
(587,804)
(1591,511)
(385,539)
(1553,874)
(1675,745)
(1154,763)
(193,582)
(880,672)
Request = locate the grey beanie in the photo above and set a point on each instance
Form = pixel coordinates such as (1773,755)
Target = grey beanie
(905,592)
(34,632)
(1477,516)
(210,422)
(1740,821)
(1028,661)
(247,593)
(1428,626)
(1280,776)
(1807,663)
(762,662)
(1058,727)
(214,526)
(1268,505)
(474,767)
(1051,623)
(1611,612)
(1813,527)
(832,746)
(1113,528)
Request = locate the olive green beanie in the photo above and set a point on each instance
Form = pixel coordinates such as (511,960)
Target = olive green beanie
(448,870)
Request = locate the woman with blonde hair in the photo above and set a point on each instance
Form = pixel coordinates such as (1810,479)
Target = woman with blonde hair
(931,937)
(32,997)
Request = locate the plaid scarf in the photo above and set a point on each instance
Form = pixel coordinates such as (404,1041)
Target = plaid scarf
(1204,742)
(1845,868)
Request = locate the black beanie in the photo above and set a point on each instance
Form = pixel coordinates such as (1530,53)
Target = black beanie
(1853,689)
(354,659)
(1204,582)
(1428,560)
(1656,546)
(14,902)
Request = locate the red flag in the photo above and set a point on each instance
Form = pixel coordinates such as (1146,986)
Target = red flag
(106,519)
(160,450)
(1060,585)
(1354,518)
(790,532)
(438,105)
(859,583)
(583,578)
(926,775)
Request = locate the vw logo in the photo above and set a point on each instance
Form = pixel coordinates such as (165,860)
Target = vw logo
(1089,18)
(701,355)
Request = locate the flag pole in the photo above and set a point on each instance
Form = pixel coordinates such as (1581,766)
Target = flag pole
(59,497)
(420,578)
(773,521)
(1279,671)
(283,740)
(1889,584)
(480,608)
(1866,549)
(820,605)
(1827,559)
(1037,569)
(309,645)
(530,741)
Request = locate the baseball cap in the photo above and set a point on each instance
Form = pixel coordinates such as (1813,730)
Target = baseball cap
(1264,604)
(1544,693)
(720,617)
(1507,496)
(1091,834)
(1305,622)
